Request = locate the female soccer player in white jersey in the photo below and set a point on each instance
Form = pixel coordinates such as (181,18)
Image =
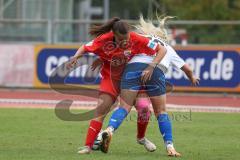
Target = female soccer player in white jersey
(141,71)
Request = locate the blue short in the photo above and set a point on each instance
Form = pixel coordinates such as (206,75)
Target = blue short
(131,79)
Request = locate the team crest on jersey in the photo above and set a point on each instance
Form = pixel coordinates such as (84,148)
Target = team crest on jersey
(152,44)
(127,53)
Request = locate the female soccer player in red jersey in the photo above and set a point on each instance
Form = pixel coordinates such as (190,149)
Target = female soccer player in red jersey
(115,45)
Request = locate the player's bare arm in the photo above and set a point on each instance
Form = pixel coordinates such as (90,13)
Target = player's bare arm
(78,54)
(194,80)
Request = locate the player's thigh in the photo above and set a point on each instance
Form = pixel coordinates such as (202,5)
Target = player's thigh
(131,84)
(156,90)
(110,86)
(127,98)
(104,104)
(108,93)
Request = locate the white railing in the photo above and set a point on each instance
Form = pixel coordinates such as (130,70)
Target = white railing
(75,31)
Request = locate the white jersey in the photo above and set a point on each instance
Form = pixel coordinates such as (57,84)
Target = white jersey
(171,57)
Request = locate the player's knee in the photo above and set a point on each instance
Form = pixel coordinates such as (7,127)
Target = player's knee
(99,118)
(102,111)
(142,103)
(142,106)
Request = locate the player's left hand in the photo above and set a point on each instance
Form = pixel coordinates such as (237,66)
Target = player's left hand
(97,63)
(147,74)
(195,81)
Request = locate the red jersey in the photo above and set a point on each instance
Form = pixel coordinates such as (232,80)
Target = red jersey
(114,57)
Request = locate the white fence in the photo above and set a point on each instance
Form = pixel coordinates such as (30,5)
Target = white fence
(75,31)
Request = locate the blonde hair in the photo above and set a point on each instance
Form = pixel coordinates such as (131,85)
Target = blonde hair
(147,27)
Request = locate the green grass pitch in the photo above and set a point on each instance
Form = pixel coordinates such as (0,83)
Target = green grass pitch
(37,134)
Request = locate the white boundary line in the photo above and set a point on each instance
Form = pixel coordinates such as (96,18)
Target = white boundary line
(92,104)
(45,102)
(195,108)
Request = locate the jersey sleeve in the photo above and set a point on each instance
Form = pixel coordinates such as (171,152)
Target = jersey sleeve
(176,60)
(93,46)
(146,45)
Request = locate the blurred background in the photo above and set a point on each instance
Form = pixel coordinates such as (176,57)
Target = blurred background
(61,21)
(36,36)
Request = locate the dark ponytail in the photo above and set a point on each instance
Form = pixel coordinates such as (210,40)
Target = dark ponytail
(114,24)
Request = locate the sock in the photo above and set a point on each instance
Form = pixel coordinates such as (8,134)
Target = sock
(165,127)
(142,124)
(93,130)
(117,117)
(143,117)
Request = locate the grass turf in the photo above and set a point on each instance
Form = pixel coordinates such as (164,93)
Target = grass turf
(34,134)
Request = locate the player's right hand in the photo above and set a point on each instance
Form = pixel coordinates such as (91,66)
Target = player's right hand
(147,74)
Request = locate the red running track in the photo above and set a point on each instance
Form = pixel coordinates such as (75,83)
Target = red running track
(217,100)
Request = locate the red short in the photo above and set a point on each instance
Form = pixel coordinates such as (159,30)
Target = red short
(110,86)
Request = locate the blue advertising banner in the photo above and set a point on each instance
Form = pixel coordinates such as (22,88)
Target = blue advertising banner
(48,58)
(217,67)
(214,68)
